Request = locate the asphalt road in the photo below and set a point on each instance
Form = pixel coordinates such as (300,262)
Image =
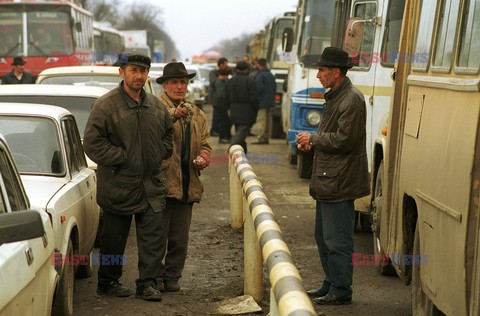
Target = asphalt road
(214,266)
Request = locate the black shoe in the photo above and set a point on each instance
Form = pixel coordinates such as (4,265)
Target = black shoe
(149,293)
(115,288)
(260,142)
(317,293)
(171,285)
(332,299)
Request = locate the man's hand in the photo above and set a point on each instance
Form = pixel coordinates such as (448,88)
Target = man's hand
(180,111)
(303,138)
(304,148)
(202,161)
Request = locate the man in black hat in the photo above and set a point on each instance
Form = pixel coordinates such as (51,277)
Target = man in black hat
(191,154)
(128,134)
(339,176)
(18,75)
(241,98)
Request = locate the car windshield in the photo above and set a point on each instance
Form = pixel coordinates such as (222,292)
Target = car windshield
(105,81)
(78,106)
(34,144)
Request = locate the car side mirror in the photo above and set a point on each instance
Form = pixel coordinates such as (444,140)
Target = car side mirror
(20,225)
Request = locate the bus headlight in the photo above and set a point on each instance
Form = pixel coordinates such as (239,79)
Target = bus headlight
(313,117)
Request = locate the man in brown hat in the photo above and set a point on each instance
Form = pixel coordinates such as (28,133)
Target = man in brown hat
(18,75)
(339,176)
(191,153)
(129,134)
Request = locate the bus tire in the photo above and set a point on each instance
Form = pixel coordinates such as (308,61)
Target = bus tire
(304,165)
(292,156)
(277,131)
(421,303)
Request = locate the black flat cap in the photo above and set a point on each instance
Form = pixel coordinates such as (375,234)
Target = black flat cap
(135,59)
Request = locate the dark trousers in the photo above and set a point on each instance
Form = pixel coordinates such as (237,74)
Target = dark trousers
(215,120)
(224,124)
(334,233)
(176,218)
(150,240)
(241,133)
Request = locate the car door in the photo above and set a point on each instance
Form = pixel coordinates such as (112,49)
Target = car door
(81,188)
(27,276)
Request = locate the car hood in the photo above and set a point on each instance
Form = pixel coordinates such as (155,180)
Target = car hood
(40,189)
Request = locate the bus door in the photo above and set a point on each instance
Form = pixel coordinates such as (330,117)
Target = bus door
(365,17)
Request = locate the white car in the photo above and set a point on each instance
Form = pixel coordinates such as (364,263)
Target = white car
(99,76)
(77,100)
(28,278)
(47,149)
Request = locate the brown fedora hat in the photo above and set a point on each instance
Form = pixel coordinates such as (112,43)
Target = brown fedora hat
(18,61)
(175,70)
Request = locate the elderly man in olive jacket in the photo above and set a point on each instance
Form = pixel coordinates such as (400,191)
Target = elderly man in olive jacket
(339,176)
(129,134)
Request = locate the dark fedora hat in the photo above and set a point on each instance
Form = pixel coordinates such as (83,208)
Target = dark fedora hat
(135,59)
(175,70)
(335,58)
(18,61)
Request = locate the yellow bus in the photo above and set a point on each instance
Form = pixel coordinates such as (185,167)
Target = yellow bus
(427,181)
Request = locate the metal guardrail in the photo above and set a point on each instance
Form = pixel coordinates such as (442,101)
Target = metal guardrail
(262,235)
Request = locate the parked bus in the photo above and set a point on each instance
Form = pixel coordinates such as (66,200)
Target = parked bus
(271,50)
(108,43)
(427,180)
(303,105)
(46,33)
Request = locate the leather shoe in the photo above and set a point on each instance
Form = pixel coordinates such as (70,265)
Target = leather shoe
(317,293)
(115,288)
(332,299)
(149,293)
(171,285)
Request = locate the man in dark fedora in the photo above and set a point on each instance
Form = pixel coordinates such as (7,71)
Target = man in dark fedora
(129,134)
(191,154)
(18,75)
(339,176)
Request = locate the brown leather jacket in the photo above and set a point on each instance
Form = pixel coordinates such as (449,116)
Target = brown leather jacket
(340,167)
(199,142)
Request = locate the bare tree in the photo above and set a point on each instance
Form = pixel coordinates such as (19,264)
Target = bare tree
(233,47)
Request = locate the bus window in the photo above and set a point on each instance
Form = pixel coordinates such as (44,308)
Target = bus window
(317,30)
(446,28)
(277,40)
(424,35)
(391,38)
(470,36)
(44,34)
(11,42)
(366,11)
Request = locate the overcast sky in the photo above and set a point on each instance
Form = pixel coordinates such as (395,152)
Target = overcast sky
(196,25)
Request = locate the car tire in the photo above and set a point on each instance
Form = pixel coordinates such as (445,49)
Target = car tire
(63,302)
(85,269)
